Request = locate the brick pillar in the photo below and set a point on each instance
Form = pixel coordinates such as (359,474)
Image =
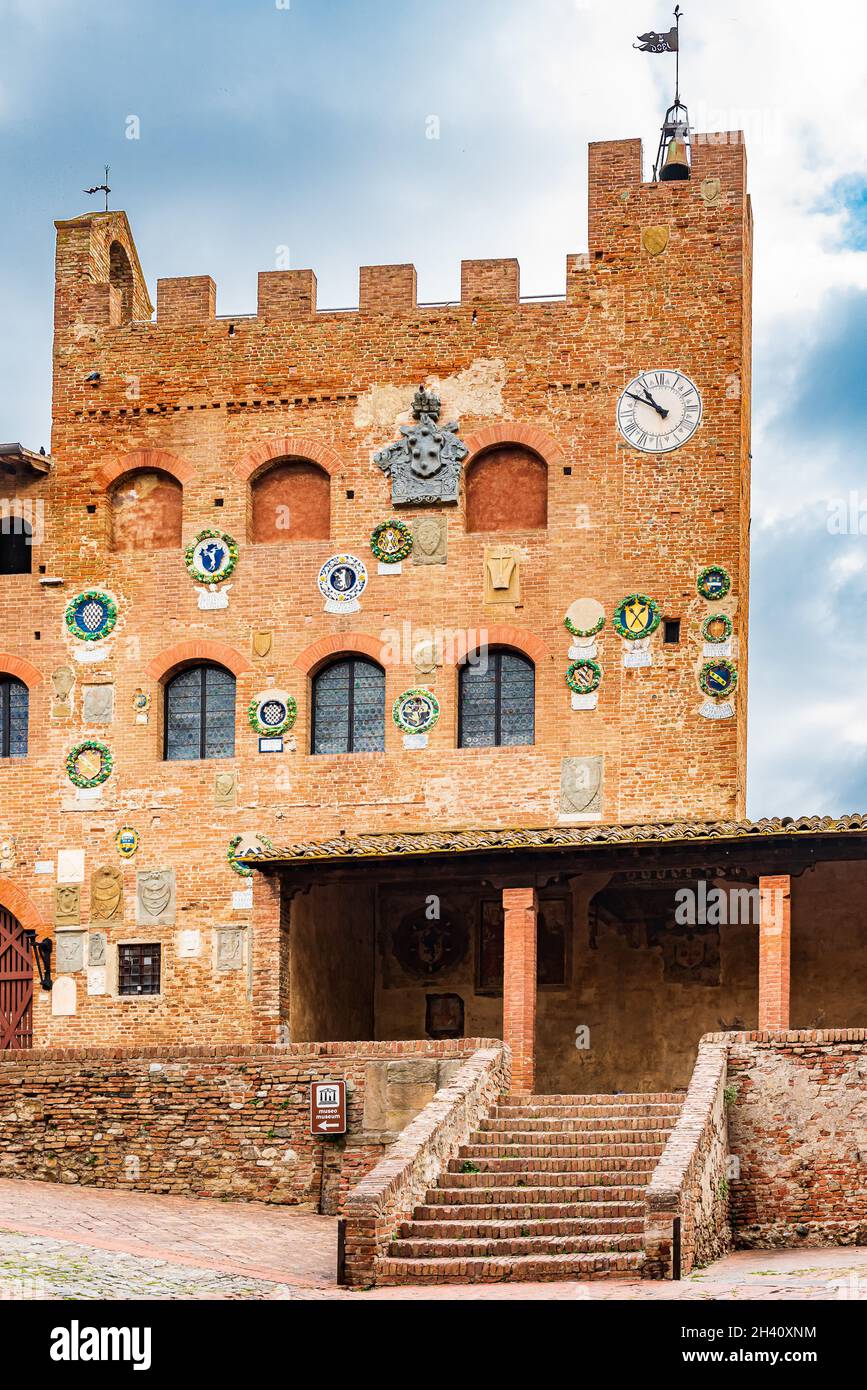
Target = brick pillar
(266,963)
(774,951)
(520,907)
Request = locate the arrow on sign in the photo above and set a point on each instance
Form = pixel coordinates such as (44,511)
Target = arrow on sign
(328,1124)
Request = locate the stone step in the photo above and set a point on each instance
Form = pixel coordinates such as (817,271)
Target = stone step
(481,1182)
(542,1268)
(522,1212)
(600,1098)
(531,1226)
(527,1195)
(488,1249)
(665,1113)
(548,1124)
(561,1151)
(563,1166)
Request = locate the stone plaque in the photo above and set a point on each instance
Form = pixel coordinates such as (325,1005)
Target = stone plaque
(711,191)
(67,905)
(69,952)
(96,946)
(106,894)
(502,574)
(62,681)
(63,996)
(224,789)
(654,240)
(229,948)
(260,642)
(155,898)
(70,865)
(430,536)
(96,979)
(189,943)
(97,704)
(581,787)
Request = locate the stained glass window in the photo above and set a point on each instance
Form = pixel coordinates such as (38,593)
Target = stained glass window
(497,700)
(14,701)
(200,714)
(349,708)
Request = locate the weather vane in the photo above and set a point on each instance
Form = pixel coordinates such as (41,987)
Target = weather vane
(672,159)
(101,188)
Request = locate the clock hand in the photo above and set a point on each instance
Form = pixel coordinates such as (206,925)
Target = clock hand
(647,399)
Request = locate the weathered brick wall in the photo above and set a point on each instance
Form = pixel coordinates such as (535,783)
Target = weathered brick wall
(213,1122)
(210,401)
(799,1131)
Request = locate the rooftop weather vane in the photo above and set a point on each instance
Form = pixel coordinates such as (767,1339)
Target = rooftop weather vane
(672,159)
(101,188)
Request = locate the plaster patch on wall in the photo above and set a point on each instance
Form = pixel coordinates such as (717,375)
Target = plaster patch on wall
(478,390)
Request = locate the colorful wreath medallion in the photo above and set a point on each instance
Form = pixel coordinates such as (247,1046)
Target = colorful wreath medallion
(718,678)
(126,840)
(243,869)
(272,713)
(211,557)
(583,677)
(342,581)
(416,711)
(91,616)
(717,628)
(636,616)
(713,582)
(583,632)
(391,541)
(89,763)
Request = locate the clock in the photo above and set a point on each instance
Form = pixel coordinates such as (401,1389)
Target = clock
(658,411)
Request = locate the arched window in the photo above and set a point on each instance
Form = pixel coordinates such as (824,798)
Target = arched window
(14,703)
(507,490)
(292,502)
(147,511)
(16,550)
(496,699)
(200,714)
(349,707)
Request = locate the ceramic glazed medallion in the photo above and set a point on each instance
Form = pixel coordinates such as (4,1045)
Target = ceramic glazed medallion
(211,557)
(89,763)
(717,628)
(391,542)
(272,713)
(585,618)
(127,841)
(636,617)
(713,583)
(243,869)
(91,616)
(416,711)
(583,677)
(141,701)
(718,678)
(342,581)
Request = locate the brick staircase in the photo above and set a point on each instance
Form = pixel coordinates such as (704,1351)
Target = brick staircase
(551,1187)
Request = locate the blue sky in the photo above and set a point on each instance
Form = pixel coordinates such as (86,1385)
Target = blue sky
(265,124)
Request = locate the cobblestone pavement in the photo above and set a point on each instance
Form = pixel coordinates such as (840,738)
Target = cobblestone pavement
(69,1242)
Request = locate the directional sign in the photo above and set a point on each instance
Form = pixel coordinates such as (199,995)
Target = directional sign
(328,1107)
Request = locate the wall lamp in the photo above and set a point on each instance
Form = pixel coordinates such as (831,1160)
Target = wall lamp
(41,953)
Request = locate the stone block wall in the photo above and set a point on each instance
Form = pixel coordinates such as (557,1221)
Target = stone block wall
(213,1122)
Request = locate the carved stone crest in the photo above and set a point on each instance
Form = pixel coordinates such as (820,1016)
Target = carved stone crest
(425,465)
(62,681)
(96,948)
(430,540)
(502,574)
(97,706)
(106,895)
(711,190)
(229,948)
(224,789)
(67,905)
(580,787)
(70,952)
(155,897)
(654,240)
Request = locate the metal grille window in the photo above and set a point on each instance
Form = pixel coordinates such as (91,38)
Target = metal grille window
(349,708)
(138,969)
(14,700)
(200,714)
(496,701)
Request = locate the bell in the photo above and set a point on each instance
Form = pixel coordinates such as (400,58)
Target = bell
(676,166)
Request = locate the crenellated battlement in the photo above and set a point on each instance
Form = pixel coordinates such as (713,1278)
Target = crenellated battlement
(100,283)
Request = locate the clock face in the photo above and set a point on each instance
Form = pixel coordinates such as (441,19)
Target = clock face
(659,411)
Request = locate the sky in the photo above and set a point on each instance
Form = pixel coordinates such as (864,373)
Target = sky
(265,124)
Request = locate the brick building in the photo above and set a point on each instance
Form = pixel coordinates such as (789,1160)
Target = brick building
(275,769)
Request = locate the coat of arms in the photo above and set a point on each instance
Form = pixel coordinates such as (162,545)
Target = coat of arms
(425,465)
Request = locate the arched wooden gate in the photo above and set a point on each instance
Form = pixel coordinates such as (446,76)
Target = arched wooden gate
(16,985)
